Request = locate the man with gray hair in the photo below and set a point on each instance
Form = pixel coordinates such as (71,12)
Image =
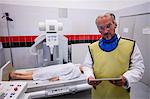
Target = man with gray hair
(112,57)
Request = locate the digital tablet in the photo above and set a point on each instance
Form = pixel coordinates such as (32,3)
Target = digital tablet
(102,79)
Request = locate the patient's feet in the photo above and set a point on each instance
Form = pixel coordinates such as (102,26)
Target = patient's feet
(12,75)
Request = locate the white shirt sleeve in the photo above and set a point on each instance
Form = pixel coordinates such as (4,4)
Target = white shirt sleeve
(87,66)
(136,69)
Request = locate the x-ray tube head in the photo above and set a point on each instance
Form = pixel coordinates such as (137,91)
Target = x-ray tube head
(51,27)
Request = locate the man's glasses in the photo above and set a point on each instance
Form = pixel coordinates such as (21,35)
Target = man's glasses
(102,27)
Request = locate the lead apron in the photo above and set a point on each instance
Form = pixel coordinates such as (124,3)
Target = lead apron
(111,64)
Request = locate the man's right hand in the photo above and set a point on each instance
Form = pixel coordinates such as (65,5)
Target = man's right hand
(92,82)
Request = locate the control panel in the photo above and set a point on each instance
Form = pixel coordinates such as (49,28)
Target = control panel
(51,39)
(12,89)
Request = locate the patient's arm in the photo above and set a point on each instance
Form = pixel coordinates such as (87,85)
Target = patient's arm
(54,78)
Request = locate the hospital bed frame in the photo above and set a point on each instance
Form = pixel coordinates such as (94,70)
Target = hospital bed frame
(38,89)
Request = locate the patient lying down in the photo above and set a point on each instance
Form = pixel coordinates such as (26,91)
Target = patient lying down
(56,72)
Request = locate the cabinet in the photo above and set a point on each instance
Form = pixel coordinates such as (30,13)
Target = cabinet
(137,27)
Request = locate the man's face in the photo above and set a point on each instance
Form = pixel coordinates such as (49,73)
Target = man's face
(106,27)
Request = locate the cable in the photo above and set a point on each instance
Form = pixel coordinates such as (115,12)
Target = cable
(6,15)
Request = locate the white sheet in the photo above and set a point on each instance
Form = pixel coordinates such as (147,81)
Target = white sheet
(64,71)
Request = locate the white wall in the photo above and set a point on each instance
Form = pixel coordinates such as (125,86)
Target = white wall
(79,4)
(26,19)
(3,28)
(79,52)
(2,56)
(143,8)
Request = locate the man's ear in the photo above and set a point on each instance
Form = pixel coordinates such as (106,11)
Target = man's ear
(115,25)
